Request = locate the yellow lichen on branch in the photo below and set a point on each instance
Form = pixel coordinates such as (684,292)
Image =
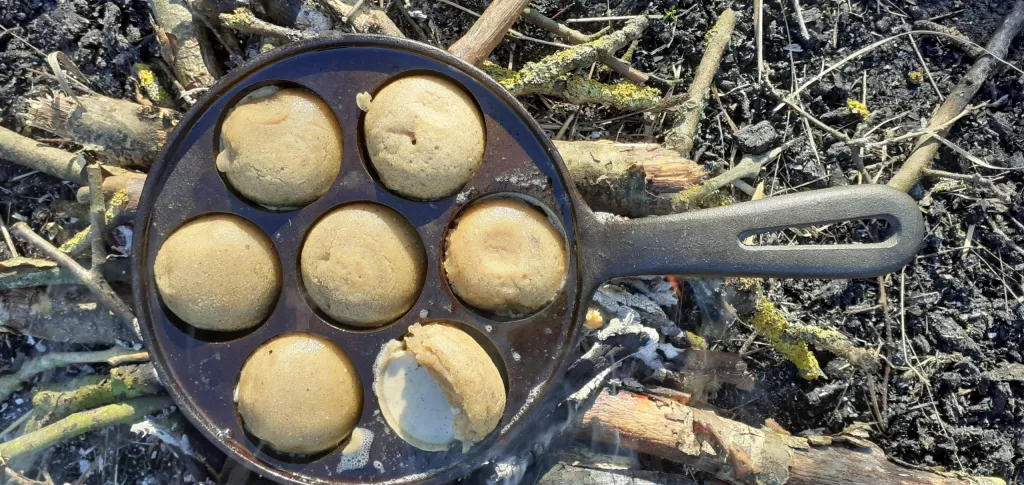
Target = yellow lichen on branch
(770,322)
(625,95)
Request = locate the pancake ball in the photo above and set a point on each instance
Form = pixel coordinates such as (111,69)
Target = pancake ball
(437,387)
(300,394)
(218,272)
(425,137)
(363,264)
(280,148)
(505,256)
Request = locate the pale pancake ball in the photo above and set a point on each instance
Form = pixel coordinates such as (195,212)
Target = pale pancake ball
(438,387)
(300,393)
(280,148)
(505,256)
(218,272)
(363,264)
(425,137)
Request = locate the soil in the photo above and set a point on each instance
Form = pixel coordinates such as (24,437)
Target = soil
(950,325)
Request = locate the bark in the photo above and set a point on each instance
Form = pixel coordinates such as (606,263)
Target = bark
(180,42)
(741,454)
(126,133)
(27,152)
(927,146)
(487,32)
(628,179)
(60,314)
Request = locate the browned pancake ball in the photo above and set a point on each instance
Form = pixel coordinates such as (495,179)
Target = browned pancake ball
(425,137)
(280,147)
(438,386)
(505,256)
(218,272)
(299,393)
(363,264)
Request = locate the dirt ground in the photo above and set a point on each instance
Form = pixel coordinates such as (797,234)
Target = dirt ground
(951,324)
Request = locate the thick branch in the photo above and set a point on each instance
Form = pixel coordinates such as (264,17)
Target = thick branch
(54,360)
(487,32)
(128,133)
(368,19)
(741,454)
(627,179)
(27,152)
(124,382)
(958,100)
(23,272)
(179,38)
(81,423)
(680,137)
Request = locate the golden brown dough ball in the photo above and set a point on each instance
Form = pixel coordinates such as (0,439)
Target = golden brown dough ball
(438,386)
(280,147)
(363,264)
(505,256)
(425,137)
(299,393)
(218,272)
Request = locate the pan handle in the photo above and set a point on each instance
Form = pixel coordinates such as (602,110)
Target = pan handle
(710,242)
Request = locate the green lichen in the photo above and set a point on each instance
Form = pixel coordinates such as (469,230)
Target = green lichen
(696,341)
(150,86)
(770,322)
(915,78)
(858,107)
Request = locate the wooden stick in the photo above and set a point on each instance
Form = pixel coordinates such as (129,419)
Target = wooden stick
(179,39)
(958,100)
(131,183)
(741,454)
(243,20)
(573,36)
(99,287)
(54,360)
(487,32)
(27,152)
(125,382)
(127,133)
(367,19)
(81,423)
(21,272)
(628,179)
(680,137)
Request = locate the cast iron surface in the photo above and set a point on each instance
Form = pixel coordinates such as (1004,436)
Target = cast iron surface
(200,369)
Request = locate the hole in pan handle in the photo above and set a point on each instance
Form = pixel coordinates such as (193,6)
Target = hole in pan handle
(709,242)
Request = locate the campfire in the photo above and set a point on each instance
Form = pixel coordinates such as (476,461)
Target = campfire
(312,257)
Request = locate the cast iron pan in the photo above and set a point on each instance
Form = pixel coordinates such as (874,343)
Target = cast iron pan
(200,369)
